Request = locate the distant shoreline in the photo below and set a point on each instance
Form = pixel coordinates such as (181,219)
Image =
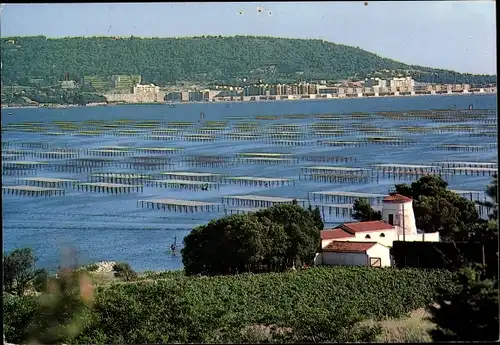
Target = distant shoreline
(64,106)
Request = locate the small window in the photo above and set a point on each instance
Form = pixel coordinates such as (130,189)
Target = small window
(382,235)
(391,219)
(368,236)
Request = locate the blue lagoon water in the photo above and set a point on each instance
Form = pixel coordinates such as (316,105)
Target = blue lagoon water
(112,227)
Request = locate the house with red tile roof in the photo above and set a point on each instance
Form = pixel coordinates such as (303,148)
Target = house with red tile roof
(377,230)
(353,253)
(397,224)
(327,236)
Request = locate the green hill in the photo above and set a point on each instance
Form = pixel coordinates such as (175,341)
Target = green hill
(204,60)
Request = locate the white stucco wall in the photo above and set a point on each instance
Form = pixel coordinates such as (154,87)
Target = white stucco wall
(324,243)
(345,259)
(390,236)
(382,252)
(387,240)
(394,235)
(397,210)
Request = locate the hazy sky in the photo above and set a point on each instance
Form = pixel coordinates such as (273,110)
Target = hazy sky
(457,35)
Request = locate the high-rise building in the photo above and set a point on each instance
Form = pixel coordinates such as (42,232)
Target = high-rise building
(372,82)
(147,93)
(312,89)
(257,90)
(405,84)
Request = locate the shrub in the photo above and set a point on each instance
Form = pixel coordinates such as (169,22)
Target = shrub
(124,271)
(468,314)
(18,312)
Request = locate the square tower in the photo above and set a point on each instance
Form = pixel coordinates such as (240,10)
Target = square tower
(397,210)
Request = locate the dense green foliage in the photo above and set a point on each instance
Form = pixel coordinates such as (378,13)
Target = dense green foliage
(19,271)
(439,209)
(363,212)
(272,239)
(124,271)
(317,304)
(18,313)
(317,218)
(487,232)
(59,313)
(62,309)
(202,59)
(470,313)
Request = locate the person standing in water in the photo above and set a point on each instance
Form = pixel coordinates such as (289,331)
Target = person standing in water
(173,245)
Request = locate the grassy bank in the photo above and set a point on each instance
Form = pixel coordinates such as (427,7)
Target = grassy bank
(319,304)
(412,328)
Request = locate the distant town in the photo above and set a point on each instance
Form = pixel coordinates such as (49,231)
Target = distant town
(129,89)
(373,87)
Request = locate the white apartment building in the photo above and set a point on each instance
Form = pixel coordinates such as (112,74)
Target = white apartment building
(405,84)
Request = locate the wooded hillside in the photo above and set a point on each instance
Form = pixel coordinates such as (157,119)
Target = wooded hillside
(203,59)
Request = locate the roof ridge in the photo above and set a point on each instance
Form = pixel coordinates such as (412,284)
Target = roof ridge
(369,242)
(369,221)
(396,197)
(374,225)
(349,246)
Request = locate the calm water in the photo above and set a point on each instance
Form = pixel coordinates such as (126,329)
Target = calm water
(111,227)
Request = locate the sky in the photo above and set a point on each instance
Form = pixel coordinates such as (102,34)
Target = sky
(455,35)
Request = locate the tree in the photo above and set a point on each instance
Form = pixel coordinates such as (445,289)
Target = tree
(363,211)
(491,192)
(272,239)
(429,185)
(470,313)
(437,208)
(316,214)
(19,270)
(487,231)
(224,246)
(300,227)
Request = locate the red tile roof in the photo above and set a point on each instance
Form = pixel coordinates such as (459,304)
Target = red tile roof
(375,225)
(332,234)
(348,247)
(397,198)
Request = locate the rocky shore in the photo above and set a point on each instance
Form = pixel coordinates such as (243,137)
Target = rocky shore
(104,266)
